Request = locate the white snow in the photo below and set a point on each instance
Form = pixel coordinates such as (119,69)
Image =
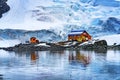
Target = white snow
(111,39)
(8,43)
(21,16)
(88,42)
(73,33)
(42,44)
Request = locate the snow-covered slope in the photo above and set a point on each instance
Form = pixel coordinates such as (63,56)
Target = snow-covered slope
(22,15)
(44,14)
(8,43)
(111,39)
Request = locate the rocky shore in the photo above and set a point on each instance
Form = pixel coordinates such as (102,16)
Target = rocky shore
(98,46)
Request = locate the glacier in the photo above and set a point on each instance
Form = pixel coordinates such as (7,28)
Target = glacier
(57,18)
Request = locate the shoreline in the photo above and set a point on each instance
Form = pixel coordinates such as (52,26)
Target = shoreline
(98,46)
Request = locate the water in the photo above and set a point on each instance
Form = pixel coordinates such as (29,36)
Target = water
(60,65)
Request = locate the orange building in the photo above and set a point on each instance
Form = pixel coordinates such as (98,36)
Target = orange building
(80,36)
(34,40)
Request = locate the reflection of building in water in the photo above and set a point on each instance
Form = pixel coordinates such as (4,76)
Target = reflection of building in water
(34,56)
(78,57)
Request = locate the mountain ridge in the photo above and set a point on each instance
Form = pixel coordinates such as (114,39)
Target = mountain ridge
(108,27)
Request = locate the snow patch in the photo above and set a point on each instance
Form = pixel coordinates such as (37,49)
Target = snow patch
(8,43)
(111,39)
(42,44)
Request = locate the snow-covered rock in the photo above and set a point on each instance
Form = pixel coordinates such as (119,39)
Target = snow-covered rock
(42,44)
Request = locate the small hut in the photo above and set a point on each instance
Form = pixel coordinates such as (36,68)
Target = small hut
(34,40)
(79,35)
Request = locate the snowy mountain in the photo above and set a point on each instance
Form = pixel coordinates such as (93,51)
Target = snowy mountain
(98,17)
(23,35)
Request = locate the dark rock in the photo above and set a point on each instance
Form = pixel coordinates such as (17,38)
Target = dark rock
(100,43)
(87,47)
(56,47)
(3,7)
(98,46)
(8,49)
(114,47)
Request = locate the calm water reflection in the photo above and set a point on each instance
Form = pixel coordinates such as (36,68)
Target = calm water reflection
(60,65)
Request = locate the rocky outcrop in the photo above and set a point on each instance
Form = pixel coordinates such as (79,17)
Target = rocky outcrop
(73,45)
(34,47)
(3,7)
(98,46)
